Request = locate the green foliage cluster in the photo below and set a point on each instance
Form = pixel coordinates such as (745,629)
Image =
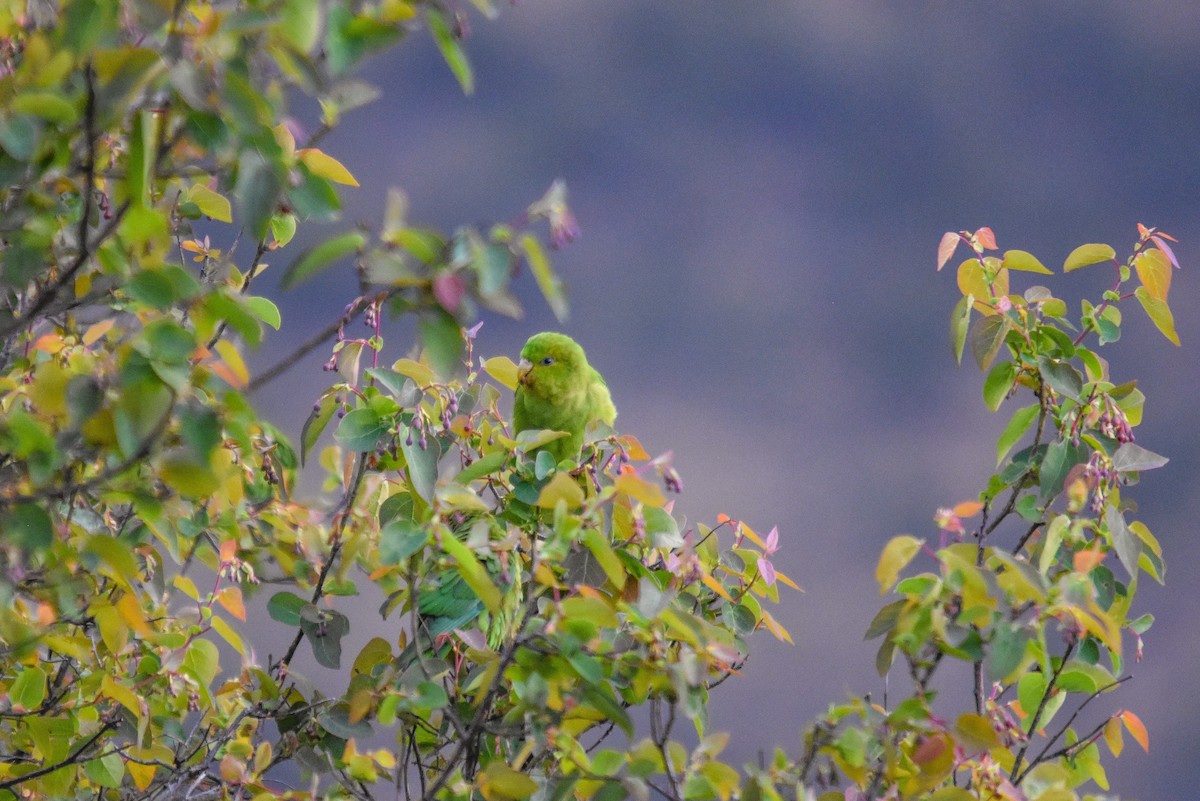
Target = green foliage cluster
(1032,584)
(534,612)
(146,506)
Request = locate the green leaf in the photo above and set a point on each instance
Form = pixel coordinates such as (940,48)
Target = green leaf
(29,526)
(257,191)
(50,106)
(265,310)
(318,258)
(361,429)
(1061,377)
(202,662)
(324,629)
(285,607)
(998,383)
(1159,313)
(1085,255)
(444,343)
(317,419)
(210,203)
(1060,457)
(1131,457)
(19,135)
(1020,422)
(960,323)
(451,51)
(1025,262)
(28,690)
(543,273)
(108,770)
(420,463)
(283,228)
(1031,688)
(986,336)
(472,571)
(400,539)
(485,466)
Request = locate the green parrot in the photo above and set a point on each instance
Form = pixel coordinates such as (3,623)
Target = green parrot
(558,390)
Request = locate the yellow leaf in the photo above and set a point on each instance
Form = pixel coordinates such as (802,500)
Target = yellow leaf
(1154,271)
(186,586)
(499,782)
(122,695)
(785,580)
(326,166)
(1137,729)
(228,634)
(285,139)
(131,612)
(633,447)
(233,358)
(631,484)
(97,330)
(750,535)
(1112,736)
(142,774)
(231,599)
(716,587)
(896,555)
(1084,255)
(503,370)
(968,508)
(211,204)
(775,628)
(421,375)
(1158,312)
(561,488)
(1026,262)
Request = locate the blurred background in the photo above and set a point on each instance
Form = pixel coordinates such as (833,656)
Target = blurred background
(761,189)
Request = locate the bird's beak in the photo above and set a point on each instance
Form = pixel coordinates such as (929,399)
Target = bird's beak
(523,369)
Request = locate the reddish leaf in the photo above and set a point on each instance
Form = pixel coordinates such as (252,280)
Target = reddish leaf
(1137,729)
(946,248)
(985,238)
(449,289)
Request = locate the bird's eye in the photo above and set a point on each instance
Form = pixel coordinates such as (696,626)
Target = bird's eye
(549,360)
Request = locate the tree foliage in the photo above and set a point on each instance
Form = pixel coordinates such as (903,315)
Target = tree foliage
(533,617)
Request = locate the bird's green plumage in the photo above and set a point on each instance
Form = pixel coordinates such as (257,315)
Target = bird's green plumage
(560,391)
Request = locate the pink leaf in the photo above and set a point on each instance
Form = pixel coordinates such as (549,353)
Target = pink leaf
(946,248)
(1165,248)
(449,289)
(767,570)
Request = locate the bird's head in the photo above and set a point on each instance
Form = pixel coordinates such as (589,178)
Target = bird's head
(549,361)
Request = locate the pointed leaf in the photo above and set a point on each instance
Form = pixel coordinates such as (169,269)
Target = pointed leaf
(1133,457)
(326,166)
(320,257)
(1154,271)
(1085,255)
(986,336)
(1137,729)
(960,322)
(896,555)
(1024,262)
(946,248)
(1020,422)
(1159,313)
